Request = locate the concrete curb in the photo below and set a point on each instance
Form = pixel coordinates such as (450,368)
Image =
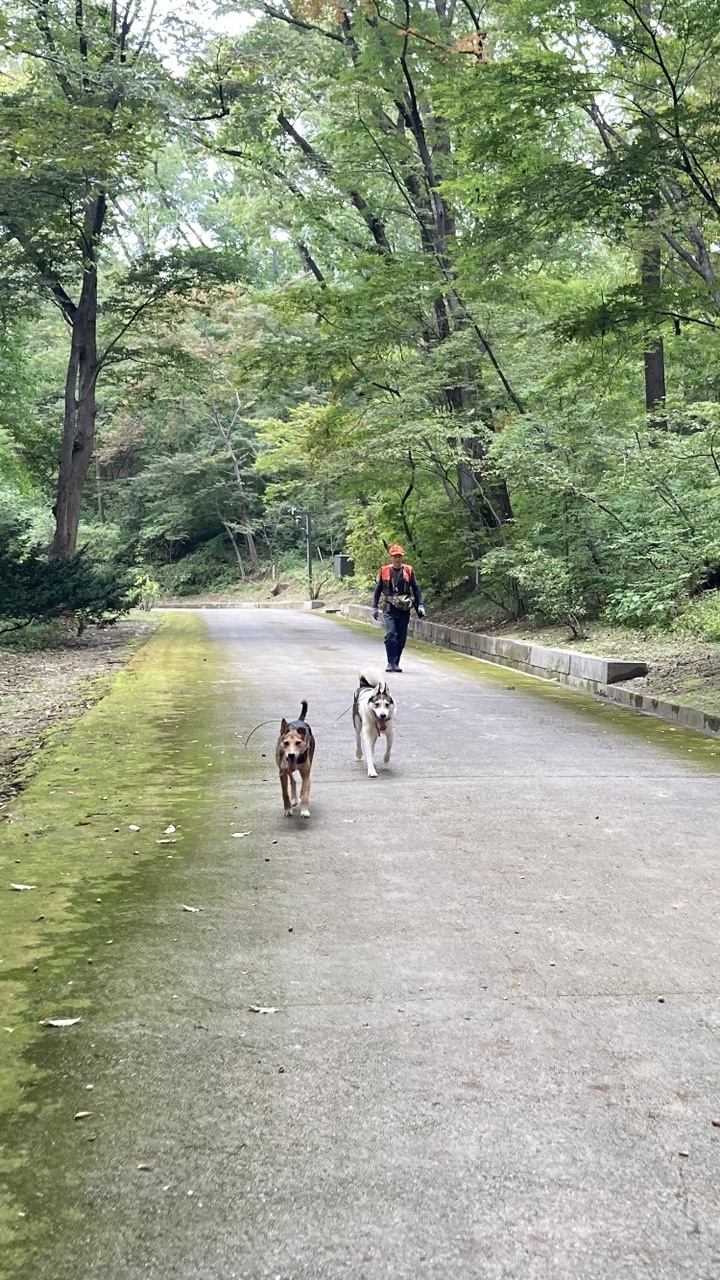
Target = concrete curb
(685,717)
(581,671)
(246,604)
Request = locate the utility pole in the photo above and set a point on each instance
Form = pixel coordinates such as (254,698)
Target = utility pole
(308,535)
(308,543)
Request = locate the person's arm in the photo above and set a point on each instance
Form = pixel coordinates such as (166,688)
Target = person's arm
(417,596)
(376,597)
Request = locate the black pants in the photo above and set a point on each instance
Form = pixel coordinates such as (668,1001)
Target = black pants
(396,626)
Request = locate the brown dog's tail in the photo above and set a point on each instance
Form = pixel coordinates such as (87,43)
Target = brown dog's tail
(303,709)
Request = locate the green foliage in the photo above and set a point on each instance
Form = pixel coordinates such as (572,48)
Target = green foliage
(211,566)
(148,590)
(645,606)
(34,589)
(701,617)
(547,586)
(392,282)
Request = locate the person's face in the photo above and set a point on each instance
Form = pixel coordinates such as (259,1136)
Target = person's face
(396,561)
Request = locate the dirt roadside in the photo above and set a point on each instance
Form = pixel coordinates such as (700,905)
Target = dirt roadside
(46,689)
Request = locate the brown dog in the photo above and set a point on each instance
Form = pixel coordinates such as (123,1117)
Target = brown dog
(294,756)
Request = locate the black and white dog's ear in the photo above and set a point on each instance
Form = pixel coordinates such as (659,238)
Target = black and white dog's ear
(283,727)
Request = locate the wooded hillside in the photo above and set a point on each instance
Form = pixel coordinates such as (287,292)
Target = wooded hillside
(429,271)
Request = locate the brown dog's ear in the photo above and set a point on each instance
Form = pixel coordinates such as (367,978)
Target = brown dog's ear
(283,727)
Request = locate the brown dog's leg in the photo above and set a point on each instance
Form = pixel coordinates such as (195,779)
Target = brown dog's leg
(305,794)
(285,794)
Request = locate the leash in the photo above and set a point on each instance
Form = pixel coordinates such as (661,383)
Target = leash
(258,726)
(264,722)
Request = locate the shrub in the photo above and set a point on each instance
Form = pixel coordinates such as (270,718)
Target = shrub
(34,589)
(211,567)
(646,605)
(546,583)
(147,589)
(701,617)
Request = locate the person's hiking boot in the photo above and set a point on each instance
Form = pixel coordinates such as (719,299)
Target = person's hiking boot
(390,667)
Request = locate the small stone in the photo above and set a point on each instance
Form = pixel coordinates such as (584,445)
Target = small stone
(715,1124)
(290,928)
(281,1071)
(684,1153)
(661,999)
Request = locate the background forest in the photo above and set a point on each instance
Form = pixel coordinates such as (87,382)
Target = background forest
(429,271)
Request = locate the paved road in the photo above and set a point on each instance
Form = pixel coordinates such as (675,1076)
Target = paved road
(495,969)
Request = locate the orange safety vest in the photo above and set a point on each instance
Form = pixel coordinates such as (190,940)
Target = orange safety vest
(406,568)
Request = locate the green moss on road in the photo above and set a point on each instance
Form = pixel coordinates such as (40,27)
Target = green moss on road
(138,759)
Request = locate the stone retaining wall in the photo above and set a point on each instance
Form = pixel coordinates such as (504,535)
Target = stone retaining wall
(580,670)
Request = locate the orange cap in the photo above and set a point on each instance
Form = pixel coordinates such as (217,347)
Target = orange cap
(397,550)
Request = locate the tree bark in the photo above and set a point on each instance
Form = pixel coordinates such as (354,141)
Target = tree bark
(654,356)
(79,420)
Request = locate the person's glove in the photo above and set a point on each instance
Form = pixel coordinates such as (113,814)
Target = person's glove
(421,611)
(376,614)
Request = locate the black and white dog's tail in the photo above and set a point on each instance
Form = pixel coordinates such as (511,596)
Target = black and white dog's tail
(368,679)
(303,709)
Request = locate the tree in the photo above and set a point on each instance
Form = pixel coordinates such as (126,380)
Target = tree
(87,76)
(355,155)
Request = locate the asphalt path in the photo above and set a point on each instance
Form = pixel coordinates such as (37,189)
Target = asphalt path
(493,970)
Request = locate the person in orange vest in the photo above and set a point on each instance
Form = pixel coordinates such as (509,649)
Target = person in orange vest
(397,585)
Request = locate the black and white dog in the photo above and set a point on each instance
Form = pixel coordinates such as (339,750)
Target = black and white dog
(373,716)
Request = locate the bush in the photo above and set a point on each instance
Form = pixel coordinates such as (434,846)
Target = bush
(212,567)
(701,617)
(646,605)
(147,589)
(546,583)
(34,589)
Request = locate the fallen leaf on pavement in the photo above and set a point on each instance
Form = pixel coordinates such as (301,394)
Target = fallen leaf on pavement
(20,887)
(195,910)
(258,1008)
(82,1115)
(133,827)
(58,1022)
(169,830)
(238,835)
(144,1168)
(171,840)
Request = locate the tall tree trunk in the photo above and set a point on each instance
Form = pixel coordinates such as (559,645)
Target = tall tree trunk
(654,356)
(243,505)
(79,420)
